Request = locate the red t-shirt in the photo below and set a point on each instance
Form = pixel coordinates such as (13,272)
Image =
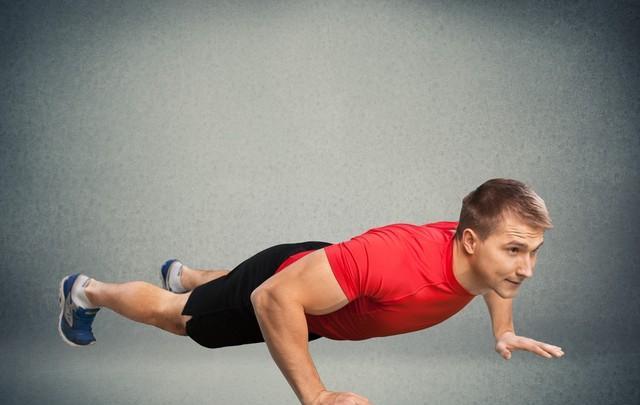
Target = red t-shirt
(398,279)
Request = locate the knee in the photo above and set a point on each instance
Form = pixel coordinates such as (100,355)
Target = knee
(173,325)
(182,325)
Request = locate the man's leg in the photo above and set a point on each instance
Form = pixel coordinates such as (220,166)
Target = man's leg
(146,303)
(191,278)
(142,302)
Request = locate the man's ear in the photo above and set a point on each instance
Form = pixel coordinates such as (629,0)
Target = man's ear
(469,241)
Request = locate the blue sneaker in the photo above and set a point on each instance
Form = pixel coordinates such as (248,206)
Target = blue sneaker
(169,266)
(74,323)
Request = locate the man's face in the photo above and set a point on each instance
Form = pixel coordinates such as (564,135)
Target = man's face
(508,256)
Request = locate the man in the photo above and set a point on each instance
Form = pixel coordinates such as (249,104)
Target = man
(389,280)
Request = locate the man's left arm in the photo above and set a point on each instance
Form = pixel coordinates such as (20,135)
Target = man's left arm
(501,311)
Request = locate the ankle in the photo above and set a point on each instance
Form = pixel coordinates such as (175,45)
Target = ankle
(80,292)
(92,291)
(186,278)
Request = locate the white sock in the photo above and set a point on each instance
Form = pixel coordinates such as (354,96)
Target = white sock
(175,271)
(77,292)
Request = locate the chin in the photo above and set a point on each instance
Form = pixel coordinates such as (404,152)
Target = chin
(503,293)
(506,289)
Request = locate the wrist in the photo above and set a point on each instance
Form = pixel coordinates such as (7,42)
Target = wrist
(311,399)
(502,332)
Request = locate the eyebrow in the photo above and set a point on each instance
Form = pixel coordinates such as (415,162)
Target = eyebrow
(513,242)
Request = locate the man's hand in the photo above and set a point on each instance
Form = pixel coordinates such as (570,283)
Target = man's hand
(339,398)
(508,342)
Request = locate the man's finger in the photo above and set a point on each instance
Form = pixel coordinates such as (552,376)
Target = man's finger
(534,348)
(359,398)
(556,350)
(551,349)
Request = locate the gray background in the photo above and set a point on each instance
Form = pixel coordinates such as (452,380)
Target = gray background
(132,132)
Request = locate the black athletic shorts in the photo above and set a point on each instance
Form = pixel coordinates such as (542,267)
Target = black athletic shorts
(222,311)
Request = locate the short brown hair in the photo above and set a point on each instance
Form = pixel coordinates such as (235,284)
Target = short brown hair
(484,208)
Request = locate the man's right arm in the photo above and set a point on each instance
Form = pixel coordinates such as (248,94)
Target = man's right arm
(280,303)
(284,328)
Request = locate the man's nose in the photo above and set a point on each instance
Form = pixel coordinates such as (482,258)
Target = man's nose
(526,269)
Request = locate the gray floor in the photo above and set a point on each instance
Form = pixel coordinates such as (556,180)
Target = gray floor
(133,363)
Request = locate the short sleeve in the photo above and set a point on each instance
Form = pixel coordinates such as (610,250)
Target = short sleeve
(371,264)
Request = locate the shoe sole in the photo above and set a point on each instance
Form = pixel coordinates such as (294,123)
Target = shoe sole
(61,303)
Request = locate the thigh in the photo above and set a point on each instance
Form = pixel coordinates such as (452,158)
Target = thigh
(222,313)
(229,327)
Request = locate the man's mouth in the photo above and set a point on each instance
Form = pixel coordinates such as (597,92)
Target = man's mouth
(513,282)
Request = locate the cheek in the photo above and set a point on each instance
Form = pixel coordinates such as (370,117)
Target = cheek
(490,266)
(501,265)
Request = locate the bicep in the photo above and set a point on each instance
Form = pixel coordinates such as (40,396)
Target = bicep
(309,282)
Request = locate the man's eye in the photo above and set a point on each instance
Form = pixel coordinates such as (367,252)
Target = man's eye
(513,249)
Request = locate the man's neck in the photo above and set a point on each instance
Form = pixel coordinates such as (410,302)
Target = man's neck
(463,271)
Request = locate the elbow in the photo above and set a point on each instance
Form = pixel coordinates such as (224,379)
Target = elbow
(267,300)
(258,297)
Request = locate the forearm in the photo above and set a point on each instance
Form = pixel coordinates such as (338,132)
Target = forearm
(501,311)
(284,328)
